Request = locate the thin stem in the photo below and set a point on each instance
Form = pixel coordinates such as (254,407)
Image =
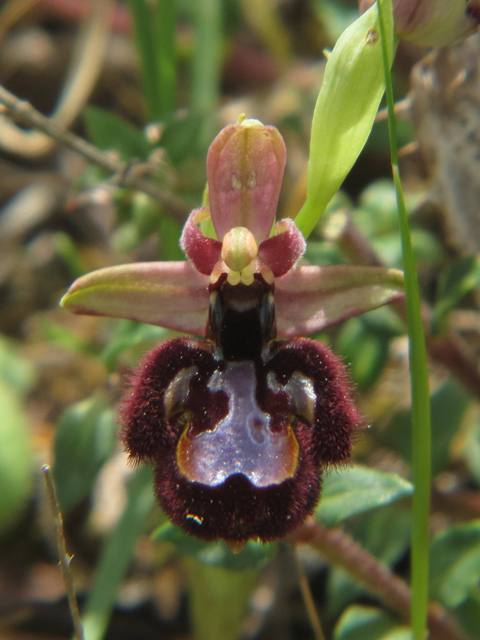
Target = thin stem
(343,551)
(308,600)
(64,557)
(421,428)
(123,174)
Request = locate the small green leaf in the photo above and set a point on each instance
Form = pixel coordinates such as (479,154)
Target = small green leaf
(448,405)
(16,461)
(460,278)
(352,87)
(347,492)
(85,438)
(128,341)
(252,556)
(183,136)
(455,563)
(110,132)
(368,623)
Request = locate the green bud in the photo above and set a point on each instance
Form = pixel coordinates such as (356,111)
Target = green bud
(352,87)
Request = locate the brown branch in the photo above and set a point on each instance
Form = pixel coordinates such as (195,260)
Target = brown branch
(343,551)
(123,174)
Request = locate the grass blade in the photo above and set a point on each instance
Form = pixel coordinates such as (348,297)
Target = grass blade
(154,29)
(207,18)
(117,554)
(421,428)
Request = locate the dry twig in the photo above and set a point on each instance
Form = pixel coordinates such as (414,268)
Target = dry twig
(64,556)
(123,174)
(83,73)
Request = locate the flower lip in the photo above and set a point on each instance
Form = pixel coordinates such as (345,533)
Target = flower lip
(239,487)
(243,442)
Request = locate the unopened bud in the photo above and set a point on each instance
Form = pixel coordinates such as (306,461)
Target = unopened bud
(433,23)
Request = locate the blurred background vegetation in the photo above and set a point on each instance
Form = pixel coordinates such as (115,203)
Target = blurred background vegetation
(162,79)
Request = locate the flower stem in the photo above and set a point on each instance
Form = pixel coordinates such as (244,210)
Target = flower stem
(421,428)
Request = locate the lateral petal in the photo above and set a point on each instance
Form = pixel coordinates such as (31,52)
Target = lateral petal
(310,298)
(282,250)
(203,252)
(170,294)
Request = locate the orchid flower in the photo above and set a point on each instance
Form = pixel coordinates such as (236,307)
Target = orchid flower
(239,422)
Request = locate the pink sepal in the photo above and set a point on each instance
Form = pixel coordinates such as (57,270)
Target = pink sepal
(309,298)
(245,166)
(169,294)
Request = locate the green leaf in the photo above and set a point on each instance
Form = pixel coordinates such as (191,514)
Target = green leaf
(448,405)
(16,460)
(110,132)
(85,438)
(129,340)
(217,554)
(368,623)
(468,614)
(183,137)
(365,351)
(117,554)
(154,31)
(347,492)
(455,563)
(460,278)
(352,87)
